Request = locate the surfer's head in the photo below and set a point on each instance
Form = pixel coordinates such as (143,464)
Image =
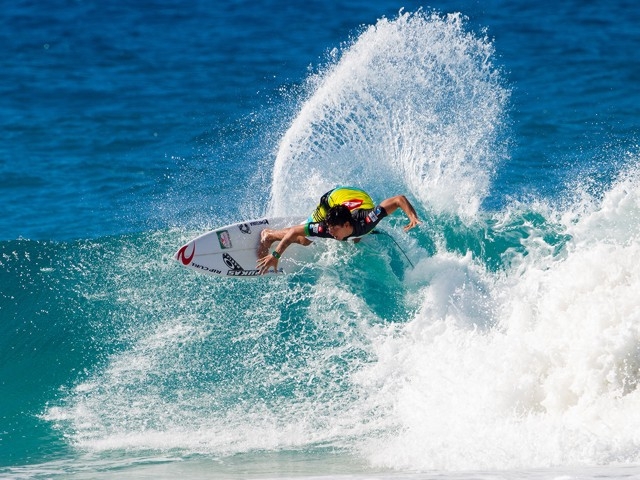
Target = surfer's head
(339,221)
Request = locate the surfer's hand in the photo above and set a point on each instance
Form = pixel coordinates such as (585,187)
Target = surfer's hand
(267,262)
(414,222)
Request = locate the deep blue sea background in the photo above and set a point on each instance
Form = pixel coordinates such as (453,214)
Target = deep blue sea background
(514,343)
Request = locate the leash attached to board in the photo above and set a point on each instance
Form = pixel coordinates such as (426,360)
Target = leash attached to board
(380,232)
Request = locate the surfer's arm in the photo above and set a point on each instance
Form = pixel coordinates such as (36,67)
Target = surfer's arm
(295,234)
(400,201)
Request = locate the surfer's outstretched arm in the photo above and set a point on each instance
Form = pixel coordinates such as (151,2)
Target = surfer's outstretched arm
(400,201)
(286,236)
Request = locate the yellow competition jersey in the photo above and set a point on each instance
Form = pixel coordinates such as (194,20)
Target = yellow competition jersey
(350,197)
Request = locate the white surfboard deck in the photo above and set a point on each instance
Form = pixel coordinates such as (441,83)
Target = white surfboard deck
(232,251)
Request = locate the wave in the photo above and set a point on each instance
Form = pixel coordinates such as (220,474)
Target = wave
(512,343)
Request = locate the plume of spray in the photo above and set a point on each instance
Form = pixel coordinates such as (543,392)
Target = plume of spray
(414,105)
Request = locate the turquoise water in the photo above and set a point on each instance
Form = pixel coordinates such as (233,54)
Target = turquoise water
(499,339)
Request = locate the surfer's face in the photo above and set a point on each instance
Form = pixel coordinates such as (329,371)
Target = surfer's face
(340,232)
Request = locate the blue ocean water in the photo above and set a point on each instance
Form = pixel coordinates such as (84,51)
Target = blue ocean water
(511,349)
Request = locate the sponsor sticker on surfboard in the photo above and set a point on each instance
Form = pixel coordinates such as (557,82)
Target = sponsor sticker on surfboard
(225,239)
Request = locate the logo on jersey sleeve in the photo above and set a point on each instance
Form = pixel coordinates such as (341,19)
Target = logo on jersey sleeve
(317,228)
(374,215)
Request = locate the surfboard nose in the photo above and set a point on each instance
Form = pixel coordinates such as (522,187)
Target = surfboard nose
(186,253)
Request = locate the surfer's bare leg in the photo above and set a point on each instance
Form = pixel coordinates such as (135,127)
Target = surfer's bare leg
(268,236)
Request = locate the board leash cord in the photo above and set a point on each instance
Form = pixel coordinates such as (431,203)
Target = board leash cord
(380,232)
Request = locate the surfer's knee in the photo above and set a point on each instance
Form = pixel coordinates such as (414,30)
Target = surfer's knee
(304,241)
(265,243)
(266,237)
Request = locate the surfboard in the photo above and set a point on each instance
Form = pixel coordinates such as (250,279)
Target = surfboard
(232,250)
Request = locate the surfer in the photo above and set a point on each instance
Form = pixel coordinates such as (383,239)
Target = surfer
(344,212)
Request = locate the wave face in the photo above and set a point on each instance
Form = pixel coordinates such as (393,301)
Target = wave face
(514,342)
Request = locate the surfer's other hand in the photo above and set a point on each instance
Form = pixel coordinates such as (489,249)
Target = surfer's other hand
(267,262)
(414,222)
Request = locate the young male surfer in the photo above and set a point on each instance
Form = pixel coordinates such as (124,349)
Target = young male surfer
(344,212)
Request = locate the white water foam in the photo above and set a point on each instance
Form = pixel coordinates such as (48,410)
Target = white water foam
(553,382)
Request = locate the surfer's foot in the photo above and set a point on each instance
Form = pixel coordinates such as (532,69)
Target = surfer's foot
(265,242)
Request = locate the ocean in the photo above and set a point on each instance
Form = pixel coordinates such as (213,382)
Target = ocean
(499,339)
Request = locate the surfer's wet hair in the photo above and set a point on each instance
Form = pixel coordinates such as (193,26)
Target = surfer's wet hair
(338,215)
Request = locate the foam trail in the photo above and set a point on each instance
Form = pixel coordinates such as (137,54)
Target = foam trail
(414,106)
